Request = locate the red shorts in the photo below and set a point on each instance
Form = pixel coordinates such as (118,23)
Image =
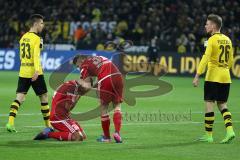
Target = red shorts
(111,89)
(68,125)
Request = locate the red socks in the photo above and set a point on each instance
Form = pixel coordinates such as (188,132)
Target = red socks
(62,136)
(117,120)
(106,125)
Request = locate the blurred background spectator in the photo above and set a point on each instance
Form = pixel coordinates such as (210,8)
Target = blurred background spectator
(179,24)
(153,51)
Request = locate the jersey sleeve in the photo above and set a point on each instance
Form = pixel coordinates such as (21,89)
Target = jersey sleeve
(84,73)
(36,55)
(205,58)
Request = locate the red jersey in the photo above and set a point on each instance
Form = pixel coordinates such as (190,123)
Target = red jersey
(97,66)
(64,100)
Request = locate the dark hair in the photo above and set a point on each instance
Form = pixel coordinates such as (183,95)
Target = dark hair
(75,59)
(215,19)
(34,18)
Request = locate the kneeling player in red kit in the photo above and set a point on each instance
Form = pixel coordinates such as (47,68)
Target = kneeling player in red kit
(64,100)
(110,89)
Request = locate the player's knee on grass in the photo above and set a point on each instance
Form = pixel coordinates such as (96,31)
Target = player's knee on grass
(76,137)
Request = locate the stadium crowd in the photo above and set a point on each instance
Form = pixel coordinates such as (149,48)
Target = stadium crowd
(178,24)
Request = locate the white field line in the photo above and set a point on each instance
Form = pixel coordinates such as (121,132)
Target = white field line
(139,124)
(185,112)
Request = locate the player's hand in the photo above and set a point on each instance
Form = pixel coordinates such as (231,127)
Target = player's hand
(35,76)
(195,81)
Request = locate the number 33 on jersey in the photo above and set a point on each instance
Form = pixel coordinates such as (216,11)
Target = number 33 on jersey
(30,48)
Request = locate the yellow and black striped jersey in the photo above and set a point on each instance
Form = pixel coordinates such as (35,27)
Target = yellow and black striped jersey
(218,58)
(30,48)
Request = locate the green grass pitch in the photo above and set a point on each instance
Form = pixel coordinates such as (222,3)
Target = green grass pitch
(144,138)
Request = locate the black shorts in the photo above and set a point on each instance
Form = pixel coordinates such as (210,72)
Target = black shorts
(214,91)
(39,85)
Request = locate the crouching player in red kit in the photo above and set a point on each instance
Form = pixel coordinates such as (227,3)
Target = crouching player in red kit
(63,101)
(110,89)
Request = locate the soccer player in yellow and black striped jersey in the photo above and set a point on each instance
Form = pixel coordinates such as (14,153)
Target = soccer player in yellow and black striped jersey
(218,59)
(31,73)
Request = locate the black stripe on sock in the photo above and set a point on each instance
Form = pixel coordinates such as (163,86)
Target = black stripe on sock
(208,129)
(17,102)
(14,107)
(224,110)
(45,111)
(228,124)
(209,114)
(46,118)
(12,114)
(44,104)
(209,122)
(227,117)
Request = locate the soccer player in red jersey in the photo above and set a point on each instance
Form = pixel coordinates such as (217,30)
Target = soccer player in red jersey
(110,89)
(63,101)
